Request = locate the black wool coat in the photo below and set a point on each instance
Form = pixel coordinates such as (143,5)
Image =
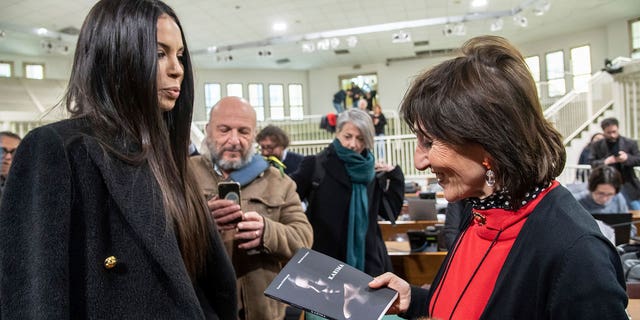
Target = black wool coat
(68,205)
(560,267)
(328,211)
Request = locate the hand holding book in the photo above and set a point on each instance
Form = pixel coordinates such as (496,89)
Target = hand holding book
(330,288)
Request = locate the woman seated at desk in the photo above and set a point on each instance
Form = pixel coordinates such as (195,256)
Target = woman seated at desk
(603,194)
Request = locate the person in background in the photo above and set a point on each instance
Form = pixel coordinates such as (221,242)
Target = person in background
(603,194)
(621,153)
(356,94)
(9,142)
(339,100)
(362,105)
(272,226)
(344,205)
(582,174)
(530,251)
(273,142)
(379,122)
(370,96)
(101,216)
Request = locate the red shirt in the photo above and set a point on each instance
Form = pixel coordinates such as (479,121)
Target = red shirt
(476,262)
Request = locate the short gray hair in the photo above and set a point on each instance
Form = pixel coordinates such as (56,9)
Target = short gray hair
(362,120)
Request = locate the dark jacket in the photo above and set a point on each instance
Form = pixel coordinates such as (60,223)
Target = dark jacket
(328,211)
(292,161)
(68,205)
(600,151)
(560,267)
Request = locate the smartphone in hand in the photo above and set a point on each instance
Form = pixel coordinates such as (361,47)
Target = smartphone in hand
(230,190)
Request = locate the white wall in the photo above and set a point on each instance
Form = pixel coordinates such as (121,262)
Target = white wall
(266,77)
(55,66)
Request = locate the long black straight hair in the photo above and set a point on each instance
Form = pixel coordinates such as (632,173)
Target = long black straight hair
(113,84)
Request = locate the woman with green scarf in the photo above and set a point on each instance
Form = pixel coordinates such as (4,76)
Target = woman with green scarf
(346,200)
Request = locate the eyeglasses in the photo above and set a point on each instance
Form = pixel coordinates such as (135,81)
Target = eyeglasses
(6,151)
(268,147)
(600,194)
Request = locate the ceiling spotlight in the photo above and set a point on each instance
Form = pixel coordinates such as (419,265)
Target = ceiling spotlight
(541,7)
(279,26)
(478,3)
(264,53)
(308,47)
(212,49)
(42,31)
(520,20)
(448,30)
(459,29)
(352,41)
(323,44)
(335,42)
(497,25)
(3,34)
(400,37)
(226,58)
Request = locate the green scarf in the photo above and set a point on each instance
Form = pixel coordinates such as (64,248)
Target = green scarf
(360,170)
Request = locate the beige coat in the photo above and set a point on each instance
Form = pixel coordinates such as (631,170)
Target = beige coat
(286,230)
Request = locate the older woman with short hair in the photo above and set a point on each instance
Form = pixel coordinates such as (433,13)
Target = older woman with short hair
(530,251)
(347,191)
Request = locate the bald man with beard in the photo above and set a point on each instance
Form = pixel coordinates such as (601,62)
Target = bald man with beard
(273,225)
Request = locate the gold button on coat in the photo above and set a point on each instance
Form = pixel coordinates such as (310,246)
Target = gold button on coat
(110,262)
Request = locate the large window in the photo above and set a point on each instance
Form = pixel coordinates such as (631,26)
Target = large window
(581,67)
(34,70)
(276,101)
(212,94)
(635,38)
(555,73)
(235,90)
(534,67)
(256,99)
(296,105)
(6,69)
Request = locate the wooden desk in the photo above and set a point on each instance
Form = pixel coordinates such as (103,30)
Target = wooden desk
(389,231)
(418,268)
(633,309)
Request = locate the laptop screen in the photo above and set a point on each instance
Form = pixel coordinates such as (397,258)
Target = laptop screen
(422,209)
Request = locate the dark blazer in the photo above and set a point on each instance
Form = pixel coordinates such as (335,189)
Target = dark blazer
(68,205)
(292,161)
(560,267)
(600,151)
(328,211)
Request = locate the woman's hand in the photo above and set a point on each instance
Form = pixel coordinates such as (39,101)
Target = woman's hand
(396,283)
(381,166)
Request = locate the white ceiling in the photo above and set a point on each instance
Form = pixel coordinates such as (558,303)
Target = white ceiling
(245,26)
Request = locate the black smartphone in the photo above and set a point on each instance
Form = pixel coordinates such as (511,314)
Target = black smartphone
(230,190)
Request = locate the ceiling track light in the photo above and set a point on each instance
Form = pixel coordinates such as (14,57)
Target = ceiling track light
(521,20)
(400,37)
(541,7)
(497,24)
(459,29)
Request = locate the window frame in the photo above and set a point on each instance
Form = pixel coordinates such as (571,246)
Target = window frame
(26,65)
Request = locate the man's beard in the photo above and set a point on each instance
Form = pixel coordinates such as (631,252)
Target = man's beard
(228,165)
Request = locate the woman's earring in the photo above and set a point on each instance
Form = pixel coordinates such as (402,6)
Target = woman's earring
(489,176)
